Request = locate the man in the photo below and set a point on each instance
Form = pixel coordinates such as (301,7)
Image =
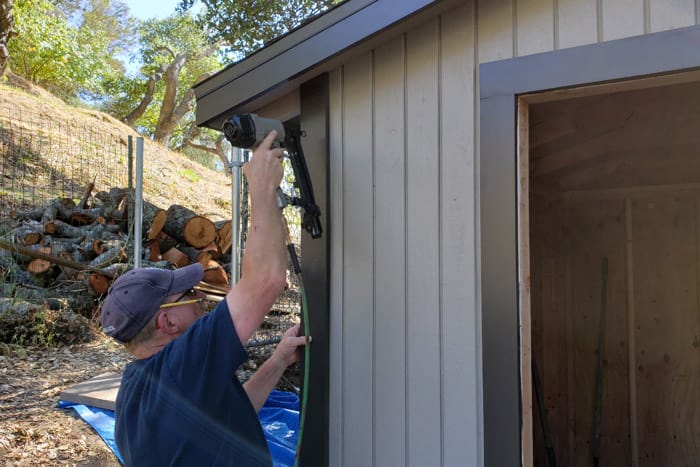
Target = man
(180,402)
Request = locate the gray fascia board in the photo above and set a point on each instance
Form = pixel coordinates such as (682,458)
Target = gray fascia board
(279,46)
(264,72)
(596,63)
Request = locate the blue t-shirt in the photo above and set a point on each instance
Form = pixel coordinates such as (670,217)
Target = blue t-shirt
(185,406)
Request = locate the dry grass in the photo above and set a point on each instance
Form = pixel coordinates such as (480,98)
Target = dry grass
(168,177)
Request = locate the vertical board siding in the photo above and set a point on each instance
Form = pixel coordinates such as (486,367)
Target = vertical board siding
(534,26)
(508,28)
(405,373)
(671,14)
(577,23)
(358,263)
(423,229)
(622,18)
(495,30)
(460,386)
(390,254)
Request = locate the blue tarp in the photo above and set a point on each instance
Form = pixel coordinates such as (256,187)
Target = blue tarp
(279,418)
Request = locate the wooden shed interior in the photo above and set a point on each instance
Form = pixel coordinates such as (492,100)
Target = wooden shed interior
(615,180)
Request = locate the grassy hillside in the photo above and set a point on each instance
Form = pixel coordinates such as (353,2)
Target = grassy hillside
(169,178)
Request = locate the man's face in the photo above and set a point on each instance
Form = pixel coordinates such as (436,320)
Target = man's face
(184,315)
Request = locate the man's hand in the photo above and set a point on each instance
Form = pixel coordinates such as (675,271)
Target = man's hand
(287,352)
(264,171)
(259,386)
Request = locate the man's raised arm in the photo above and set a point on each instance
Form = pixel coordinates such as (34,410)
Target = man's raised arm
(264,265)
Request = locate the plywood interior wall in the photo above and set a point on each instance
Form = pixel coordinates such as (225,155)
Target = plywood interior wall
(617,176)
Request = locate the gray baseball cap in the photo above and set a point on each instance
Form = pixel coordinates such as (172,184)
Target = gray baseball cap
(134,298)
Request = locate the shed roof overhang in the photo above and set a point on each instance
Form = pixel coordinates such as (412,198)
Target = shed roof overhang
(351,27)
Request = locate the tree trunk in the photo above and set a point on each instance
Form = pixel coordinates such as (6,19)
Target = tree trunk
(7,31)
(147,98)
(166,125)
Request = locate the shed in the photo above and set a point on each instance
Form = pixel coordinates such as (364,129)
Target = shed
(502,183)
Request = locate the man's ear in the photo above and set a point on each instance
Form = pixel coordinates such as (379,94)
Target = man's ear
(164,324)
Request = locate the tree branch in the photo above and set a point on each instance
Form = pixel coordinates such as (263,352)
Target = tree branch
(147,98)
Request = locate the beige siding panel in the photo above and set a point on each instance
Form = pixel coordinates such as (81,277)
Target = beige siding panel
(459,326)
(336,383)
(671,14)
(534,26)
(390,255)
(622,18)
(358,272)
(577,23)
(495,29)
(422,263)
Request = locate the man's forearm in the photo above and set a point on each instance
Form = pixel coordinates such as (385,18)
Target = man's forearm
(265,253)
(259,386)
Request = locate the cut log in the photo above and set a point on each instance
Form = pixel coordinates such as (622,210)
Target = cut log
(86,216)
(223,235)
(213,250)
(165,243)
(98,284)
(57,248)
(24,254)
(215,274)
(28,234)
(176,257)
(34,214)
(193,254)
(153,251)
(40,266)
(49,213)
(114,255)
(153,220)
(187,227)
(108,244)
(62,229)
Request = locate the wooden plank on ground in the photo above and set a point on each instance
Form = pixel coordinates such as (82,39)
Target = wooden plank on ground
(100,391)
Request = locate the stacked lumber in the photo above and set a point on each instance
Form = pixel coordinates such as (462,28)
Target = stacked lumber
(85,243)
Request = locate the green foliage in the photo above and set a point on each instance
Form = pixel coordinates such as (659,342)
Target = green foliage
(247,26)
(66,59)
(162,43)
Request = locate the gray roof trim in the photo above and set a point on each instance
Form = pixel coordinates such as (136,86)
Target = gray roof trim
(342,27)
(280,45)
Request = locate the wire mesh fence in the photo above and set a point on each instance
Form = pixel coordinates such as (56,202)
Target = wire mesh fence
(45,157)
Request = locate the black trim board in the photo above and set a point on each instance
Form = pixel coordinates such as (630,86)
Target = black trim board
(501,83)
(315,259)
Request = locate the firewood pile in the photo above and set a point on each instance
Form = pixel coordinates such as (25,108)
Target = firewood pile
(66,254)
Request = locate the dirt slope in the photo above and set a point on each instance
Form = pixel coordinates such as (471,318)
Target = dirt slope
(169,177)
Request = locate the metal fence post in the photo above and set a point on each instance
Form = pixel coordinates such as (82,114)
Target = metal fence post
(236,163)
(138,203)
